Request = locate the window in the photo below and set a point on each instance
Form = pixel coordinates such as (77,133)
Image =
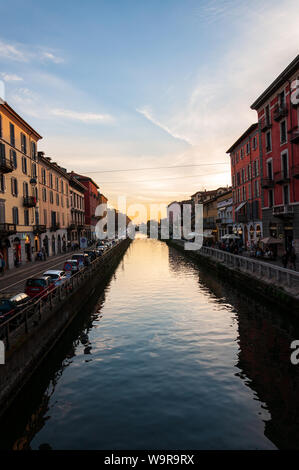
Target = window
(50,180)
(267,114)
(242,153)
(62,205)
(26,217)
(44,194)
(24,165)
(238,178)
(2,183)
(247,148)
(249,191)
(269,169)
(51,197)
(45,216)
(43,176)
(268,142)
(281,99)
(34,173)
(254,143)
(244,193)
(283,132)
(286,194)
(62,187)
(25,189)
(23,143)
(2,151)
(15,215)
(57,199)
(12,134)
(249,171)
(284,165)
(13,158)
(33,150)
(57,183)
(256,167)
(14,186)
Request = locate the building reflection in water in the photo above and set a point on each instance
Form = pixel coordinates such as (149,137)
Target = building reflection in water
(264,337)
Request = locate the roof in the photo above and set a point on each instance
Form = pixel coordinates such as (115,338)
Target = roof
(280,80)
(76,183)
(53,165)
(14,114)
(84,178)
(243,136)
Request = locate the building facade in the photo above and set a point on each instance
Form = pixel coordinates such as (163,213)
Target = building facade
(18,188)
(54,205)
(278,115)
(76,228)
(246,158)
(91,201)
(224,220)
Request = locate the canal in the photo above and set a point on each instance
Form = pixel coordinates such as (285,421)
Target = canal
(168,356)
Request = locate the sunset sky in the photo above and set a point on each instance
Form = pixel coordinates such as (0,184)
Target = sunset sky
(132,84)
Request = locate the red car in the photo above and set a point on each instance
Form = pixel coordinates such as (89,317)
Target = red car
(38,286)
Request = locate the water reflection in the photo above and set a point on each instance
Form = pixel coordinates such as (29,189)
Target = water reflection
(179,354)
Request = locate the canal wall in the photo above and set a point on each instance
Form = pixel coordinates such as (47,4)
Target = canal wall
(28,348)
(268,282)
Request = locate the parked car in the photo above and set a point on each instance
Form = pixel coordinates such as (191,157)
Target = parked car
(57,277)
(71,265)
(38,286)
(91,253)
(11,304)
(82,258)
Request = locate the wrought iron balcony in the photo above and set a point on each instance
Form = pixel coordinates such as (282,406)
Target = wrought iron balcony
(54,227)
(267,182)
(6,165)
(294,137)
(280,111)
(283,211)
(7,229)
(281,177)
(37,229)
(29,201)
(265,124)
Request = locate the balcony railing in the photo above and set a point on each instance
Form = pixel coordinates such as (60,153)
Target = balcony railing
(294,137)
(283,211)
(281,177)
(54,227)
(267,183)
(6,165)
(7,229)
(29,201)
(280,111)
(265,124)
(37,229)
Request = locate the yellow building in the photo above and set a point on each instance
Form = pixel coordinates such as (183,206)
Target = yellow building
(18,187)
(54,205)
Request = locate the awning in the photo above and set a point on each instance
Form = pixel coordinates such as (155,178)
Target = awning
(221,209)
(240,206)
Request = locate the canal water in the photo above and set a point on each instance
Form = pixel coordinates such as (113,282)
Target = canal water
(168,357)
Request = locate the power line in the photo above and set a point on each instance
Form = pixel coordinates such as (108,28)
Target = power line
(156,167)
(159,179)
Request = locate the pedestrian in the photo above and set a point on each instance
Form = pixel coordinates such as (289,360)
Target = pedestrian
(44,254)
(293,259)
(285,258)
(2,264)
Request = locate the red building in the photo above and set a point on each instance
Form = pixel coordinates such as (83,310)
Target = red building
(246,185)
(91,201)
(278,115)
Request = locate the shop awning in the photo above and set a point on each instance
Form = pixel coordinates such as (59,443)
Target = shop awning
(241,205)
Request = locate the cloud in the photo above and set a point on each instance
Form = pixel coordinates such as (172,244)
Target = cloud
(12,52)
(11,77)
(51,57)
(146,112)
(83,117)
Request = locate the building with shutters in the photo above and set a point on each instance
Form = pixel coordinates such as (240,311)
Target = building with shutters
(278,116)
(76,228)
(18,188)
(54,206)
(246,158)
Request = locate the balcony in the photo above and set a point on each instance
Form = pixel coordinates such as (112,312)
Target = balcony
(295,171)
(55,226)
(286,211)
(29,201)
(281,177)
(294,137)
(38,229)
(6,165)
(7,229)
(267,183)
(280,111)
(265,124)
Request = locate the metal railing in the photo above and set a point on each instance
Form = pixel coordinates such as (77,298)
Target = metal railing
(20,323)
(259,269)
